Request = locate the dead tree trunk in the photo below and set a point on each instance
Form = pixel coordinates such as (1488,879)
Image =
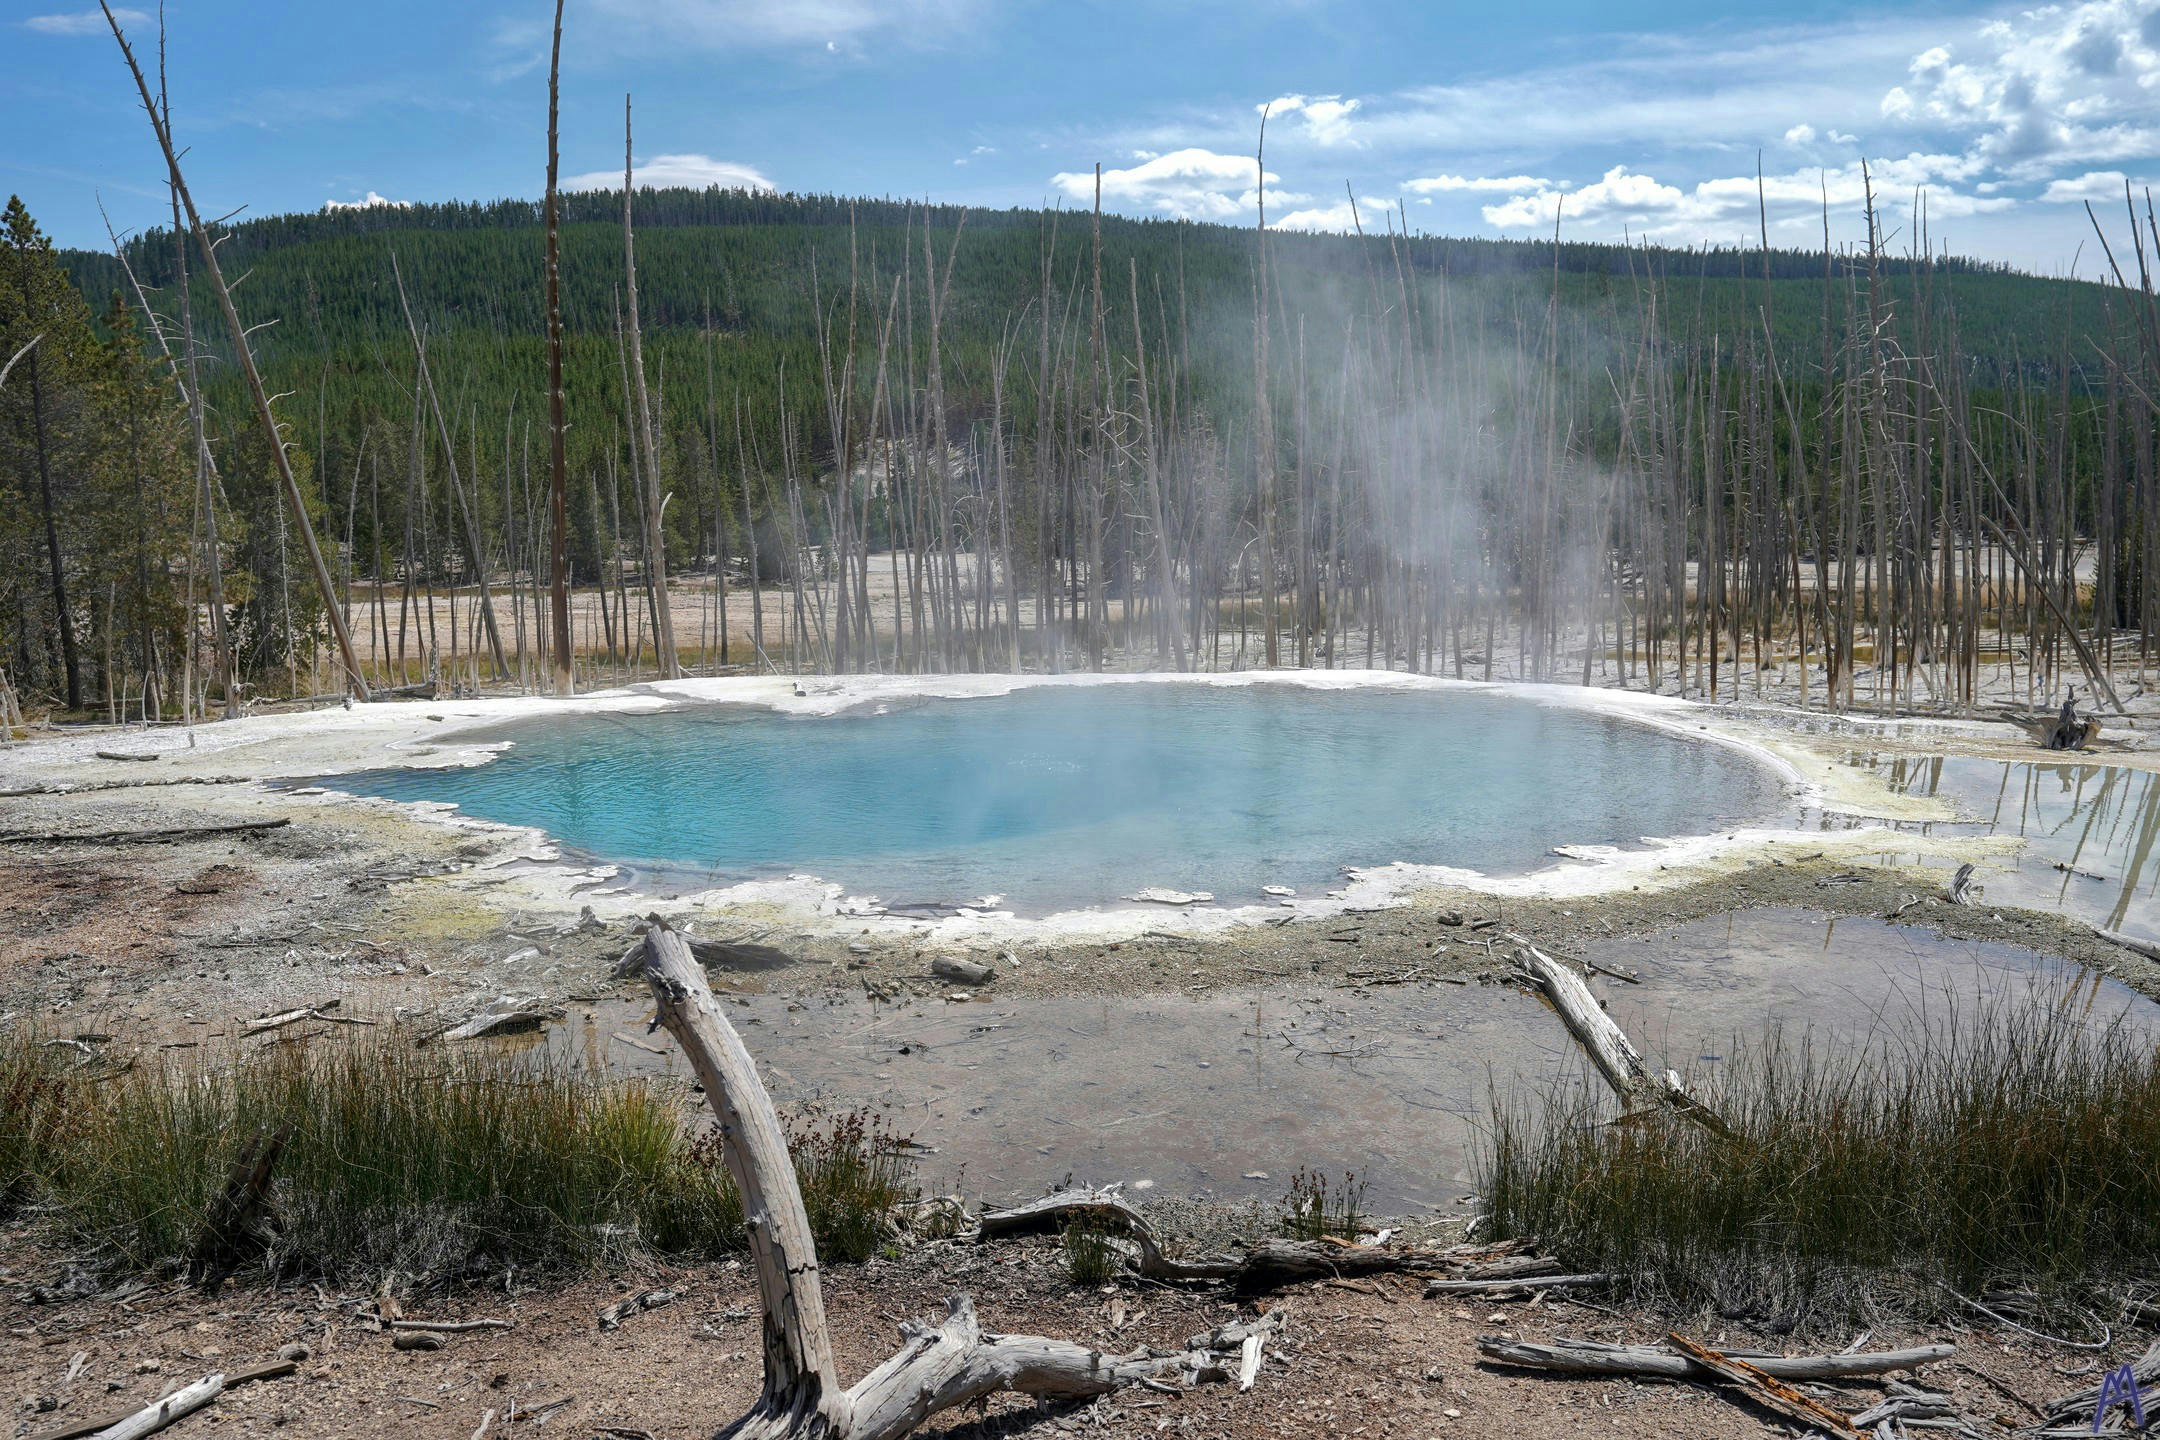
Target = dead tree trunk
(1607,1044)
(244,357)
(938,1366)
(564,676)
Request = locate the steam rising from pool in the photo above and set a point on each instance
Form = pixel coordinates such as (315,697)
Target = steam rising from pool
(1056,797)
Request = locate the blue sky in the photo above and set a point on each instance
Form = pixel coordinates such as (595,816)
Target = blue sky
(1624,117)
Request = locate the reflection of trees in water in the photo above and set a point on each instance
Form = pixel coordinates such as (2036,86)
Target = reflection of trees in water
(2095,824)
(2106,815)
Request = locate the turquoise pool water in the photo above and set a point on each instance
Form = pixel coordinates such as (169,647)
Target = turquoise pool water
(1058,796)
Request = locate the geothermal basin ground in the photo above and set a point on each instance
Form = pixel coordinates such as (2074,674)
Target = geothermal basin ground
(1338,1002)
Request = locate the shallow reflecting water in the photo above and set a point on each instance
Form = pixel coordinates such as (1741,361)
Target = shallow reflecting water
(1059,796)
(2090,831)
(1229,1094)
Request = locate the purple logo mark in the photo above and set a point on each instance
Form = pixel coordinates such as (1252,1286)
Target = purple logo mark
(2119,1387)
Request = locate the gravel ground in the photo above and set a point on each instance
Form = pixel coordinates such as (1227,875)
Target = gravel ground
(1362,1358)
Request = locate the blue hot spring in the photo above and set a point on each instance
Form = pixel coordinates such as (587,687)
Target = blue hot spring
(1057,796)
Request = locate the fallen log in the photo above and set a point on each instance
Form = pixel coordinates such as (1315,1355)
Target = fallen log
(2129,942)
(1503,1287)
(1766,1390)
(1108,1209)
(938,1366)
(506,1014)
(1269,1265)
(94,1424)
(161,1413)
(139,837)
(1596,1357)
(1275,1263)
(446,1327)
(1607,1044)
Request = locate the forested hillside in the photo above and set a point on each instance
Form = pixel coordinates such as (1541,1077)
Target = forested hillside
(1424,432)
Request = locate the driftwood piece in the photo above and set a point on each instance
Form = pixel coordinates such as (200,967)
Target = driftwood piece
(1266,1266)
(263,1025)
(2066,731)
(967,972)
(1607,1044)
(1109,1209)
(93,1424)
(1905,1403)
(448,1327)
(1566,1356)
(506,1014)
(158,1414)
(1503,1287)
(957,1362)
(938,1366)
(1766,1390)
(802,1394)
(2129,942)
(612,1317)
(176,835)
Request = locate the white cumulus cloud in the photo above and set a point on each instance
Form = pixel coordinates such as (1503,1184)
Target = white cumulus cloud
(1725,207)
(1505,184)
(2098,185)
(83,22)
(1325,119)
(1369,215)
(369,201)
(2060,85)
(695,172)
(1188,184)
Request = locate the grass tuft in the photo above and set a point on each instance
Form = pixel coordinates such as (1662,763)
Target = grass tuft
(1317,1208)
(432,1163)
(2015,1147)
(1090,1257)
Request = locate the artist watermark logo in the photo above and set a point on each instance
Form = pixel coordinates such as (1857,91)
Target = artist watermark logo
(2119,1387)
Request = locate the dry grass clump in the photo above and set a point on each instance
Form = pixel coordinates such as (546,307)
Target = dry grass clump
(434,1163)
(1318,1209)
(2012,1149)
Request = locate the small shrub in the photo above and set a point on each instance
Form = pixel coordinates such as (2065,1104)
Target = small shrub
(1315,1209)
(853,1170)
